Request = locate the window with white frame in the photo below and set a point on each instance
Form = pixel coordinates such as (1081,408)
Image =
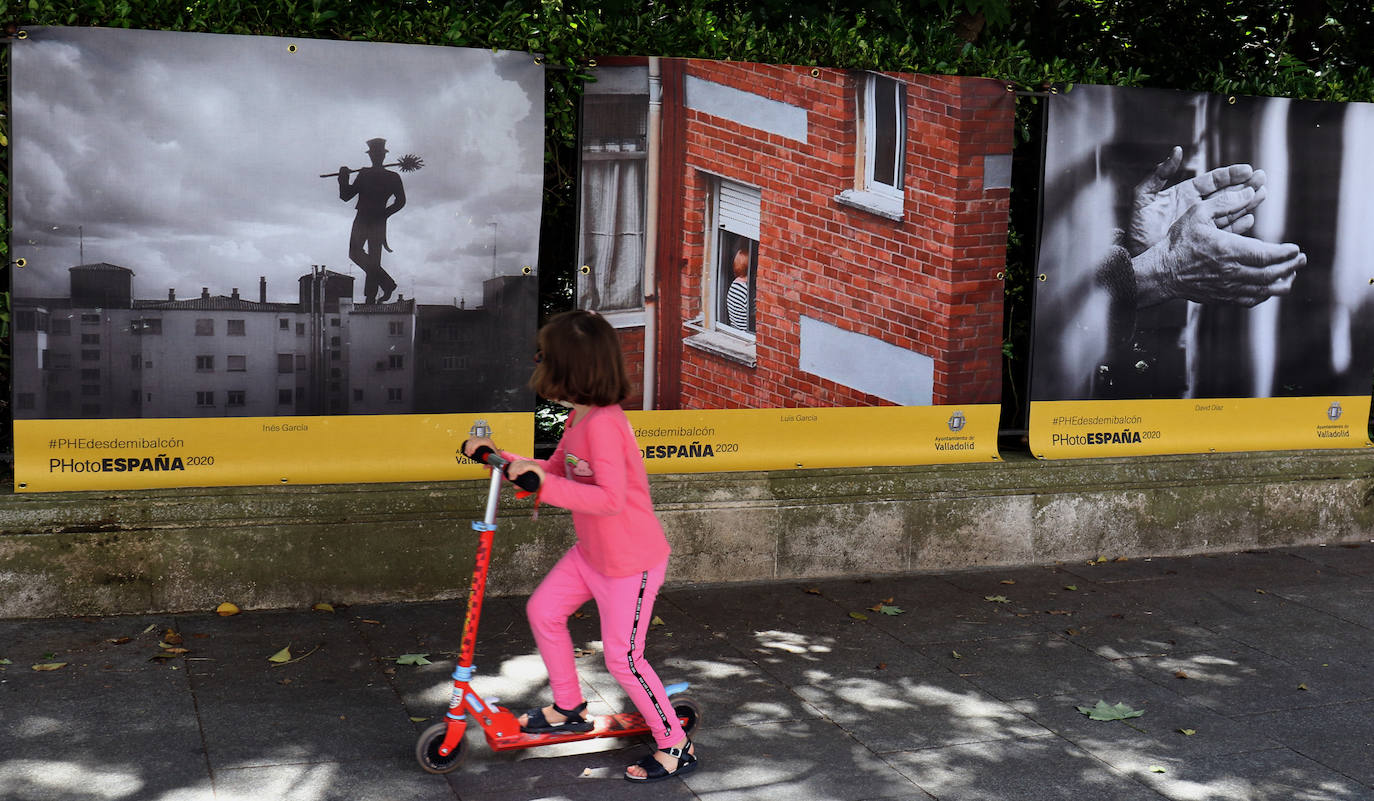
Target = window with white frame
(880,146)
(730,273)
(734,279)
(611,224)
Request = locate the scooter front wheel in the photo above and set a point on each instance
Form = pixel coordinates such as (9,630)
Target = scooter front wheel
(427,751)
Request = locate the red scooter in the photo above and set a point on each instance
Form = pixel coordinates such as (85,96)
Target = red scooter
(442,747)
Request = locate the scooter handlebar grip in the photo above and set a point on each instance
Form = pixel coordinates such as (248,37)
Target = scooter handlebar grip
(529,482)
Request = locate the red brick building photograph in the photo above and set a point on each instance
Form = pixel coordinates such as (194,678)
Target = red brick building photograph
(792,237)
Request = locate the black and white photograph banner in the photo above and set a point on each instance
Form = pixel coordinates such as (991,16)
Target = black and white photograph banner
(1202,247)
(210,226)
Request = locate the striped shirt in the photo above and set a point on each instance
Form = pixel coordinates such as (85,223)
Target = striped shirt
(737,304)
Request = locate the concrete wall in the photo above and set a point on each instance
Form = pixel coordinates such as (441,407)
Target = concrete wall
(190,549)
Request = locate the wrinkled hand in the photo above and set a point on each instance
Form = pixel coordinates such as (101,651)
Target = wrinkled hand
(1154,208)
(1198,260)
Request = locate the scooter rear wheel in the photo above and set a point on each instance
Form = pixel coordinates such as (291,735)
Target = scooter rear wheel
(427,751)
(688,710)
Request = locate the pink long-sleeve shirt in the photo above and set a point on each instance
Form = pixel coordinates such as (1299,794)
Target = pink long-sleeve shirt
(598,474)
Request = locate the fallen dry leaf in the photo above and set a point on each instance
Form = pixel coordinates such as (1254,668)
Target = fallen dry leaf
(323,607)
(49,665)
(226,609)
(171,637)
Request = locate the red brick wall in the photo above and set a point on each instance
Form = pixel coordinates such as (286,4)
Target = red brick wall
(928,283)
(632,345)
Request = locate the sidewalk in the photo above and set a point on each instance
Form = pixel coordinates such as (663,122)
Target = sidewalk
(1267,657)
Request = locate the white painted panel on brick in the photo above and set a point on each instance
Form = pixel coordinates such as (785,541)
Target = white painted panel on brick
(746,108)
(866,364)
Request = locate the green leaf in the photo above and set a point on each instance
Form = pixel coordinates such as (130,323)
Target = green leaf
(1105,711)
(282,656)
(657,621)
(997,599)
(413,659)
(891,610)
(1187,732)
(1157,769)
(50,666)
(858,615)
(5,662)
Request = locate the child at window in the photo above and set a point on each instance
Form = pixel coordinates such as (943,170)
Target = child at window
(737,296)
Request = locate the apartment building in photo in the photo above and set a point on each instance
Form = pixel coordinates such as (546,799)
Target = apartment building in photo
(102,353)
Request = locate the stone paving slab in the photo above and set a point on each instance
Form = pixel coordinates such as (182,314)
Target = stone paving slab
(1038,769)
(808,692)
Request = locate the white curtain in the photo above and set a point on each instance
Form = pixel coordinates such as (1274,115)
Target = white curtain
(612,235)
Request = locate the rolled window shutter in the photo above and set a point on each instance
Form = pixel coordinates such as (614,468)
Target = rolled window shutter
(739,209)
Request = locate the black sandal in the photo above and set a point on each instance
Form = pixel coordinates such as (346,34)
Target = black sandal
(654,770)
(536,723)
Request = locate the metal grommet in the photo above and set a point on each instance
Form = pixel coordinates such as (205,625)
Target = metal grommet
(1044,277)
(22,35)
(527,269)
(1011,89)
(22,262)
(1054,90)
(587,270)
(815,72)
(591,63)
(291,48)
(539,60)
(1231,100)
(1001,274)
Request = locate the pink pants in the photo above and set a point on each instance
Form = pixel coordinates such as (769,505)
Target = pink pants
(626,605)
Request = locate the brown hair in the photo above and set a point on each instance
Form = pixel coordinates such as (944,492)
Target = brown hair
(580,361)
(741,250)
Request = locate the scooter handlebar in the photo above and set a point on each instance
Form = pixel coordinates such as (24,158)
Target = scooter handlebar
(529,482)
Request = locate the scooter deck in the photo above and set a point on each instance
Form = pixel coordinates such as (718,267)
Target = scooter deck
(626,724)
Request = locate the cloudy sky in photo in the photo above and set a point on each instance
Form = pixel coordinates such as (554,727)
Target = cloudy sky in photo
(193,160)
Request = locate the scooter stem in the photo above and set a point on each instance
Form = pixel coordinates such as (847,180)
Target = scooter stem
(487,528)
